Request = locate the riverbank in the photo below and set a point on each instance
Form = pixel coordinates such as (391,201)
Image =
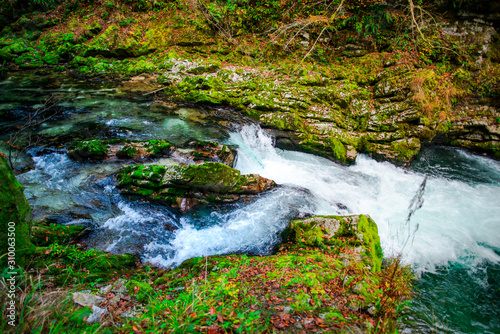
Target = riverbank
(331,95)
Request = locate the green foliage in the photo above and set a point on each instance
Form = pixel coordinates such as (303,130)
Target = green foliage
(45,234)
(141,290)
(70,264)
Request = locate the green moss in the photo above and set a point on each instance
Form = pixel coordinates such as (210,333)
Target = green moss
(17,48)
(490,147)
(209,182)
(45,234)
(406,149)
(211,68)
(141,290)
(159,147)
(371,239)
(164,80)
(339,150)
(15,219)
(340,232)
(88,149)
(6,55)
(128,151)
(70,264)
(51,59)
(135,175)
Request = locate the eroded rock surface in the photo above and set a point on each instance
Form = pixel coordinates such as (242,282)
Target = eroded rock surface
(186,186)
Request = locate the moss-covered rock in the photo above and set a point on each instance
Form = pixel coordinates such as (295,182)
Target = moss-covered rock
(15,220)
(141,290)
(45,234)
(212,151)
(348,232)
(158,147)
(185,186)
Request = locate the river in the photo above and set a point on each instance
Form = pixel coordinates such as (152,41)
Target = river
(450,241)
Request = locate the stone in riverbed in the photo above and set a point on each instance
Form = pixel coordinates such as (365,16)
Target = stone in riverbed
(126,149)
(112,149)
(186,186)
(197,151)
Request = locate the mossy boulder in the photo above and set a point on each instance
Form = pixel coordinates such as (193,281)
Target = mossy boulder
(186,186)
(15,219)
(357,232)
(88,149)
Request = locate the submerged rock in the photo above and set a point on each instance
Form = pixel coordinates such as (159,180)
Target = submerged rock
(186,186)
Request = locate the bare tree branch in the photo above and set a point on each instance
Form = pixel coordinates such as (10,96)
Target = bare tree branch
(39,116)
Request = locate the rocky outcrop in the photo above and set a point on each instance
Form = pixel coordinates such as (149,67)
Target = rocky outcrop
(186,186)
(357,96)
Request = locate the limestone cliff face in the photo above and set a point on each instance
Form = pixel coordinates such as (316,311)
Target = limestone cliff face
(13,208)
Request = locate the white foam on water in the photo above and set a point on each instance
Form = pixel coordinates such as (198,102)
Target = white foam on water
(457,222)
(251,228)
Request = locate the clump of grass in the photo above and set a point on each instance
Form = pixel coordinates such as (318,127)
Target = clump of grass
(36,306)
(396,282)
